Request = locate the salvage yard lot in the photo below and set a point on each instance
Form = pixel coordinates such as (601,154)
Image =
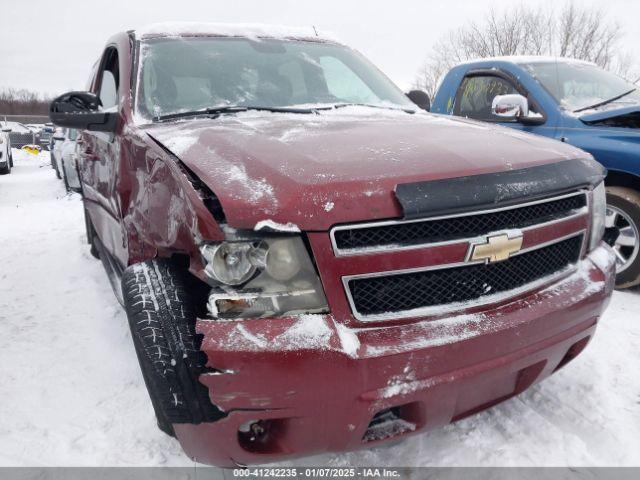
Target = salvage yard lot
(72,392)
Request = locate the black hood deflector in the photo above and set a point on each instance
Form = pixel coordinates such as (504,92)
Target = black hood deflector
(494,190)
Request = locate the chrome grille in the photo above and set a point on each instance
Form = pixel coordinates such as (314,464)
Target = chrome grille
(363,238)
(467,283)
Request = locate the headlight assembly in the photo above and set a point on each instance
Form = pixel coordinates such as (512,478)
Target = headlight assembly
(259,278)
(230,263)
(598,212)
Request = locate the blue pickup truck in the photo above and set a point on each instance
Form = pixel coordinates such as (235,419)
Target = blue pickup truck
(574,102)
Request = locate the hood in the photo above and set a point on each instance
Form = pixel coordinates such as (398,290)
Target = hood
(622,116)
(312,171)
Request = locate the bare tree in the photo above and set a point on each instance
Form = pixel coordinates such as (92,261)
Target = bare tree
(583,34)
(23,102)
(524,30)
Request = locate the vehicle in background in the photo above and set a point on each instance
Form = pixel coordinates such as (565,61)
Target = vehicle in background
(68,164)
(20,134)
(46,132)
(33,127)
(62,156)
(42,134)
(571,101)
(308,261)
(57,139)
(52,138)
(6,157)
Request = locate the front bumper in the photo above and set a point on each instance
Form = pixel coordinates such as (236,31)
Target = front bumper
(318,384)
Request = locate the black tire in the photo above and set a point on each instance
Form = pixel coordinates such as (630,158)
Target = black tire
(10,158)
(160,298)
(64,178)
(628,201)
(54,163)
(7,168)
(91,233)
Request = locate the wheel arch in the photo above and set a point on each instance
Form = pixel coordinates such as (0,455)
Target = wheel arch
(619,178)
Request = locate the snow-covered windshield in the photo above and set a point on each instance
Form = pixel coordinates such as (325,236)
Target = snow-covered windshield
(577,86)
(193,73)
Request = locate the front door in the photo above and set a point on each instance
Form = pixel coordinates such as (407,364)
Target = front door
(100,159)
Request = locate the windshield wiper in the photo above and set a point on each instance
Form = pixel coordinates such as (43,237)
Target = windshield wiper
(229,109)
(370,105)
(605,102)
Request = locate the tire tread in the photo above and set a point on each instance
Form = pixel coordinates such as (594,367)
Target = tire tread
(162,320)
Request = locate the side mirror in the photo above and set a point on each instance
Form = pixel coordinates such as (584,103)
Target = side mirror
(510,106)
(6,129)
(420,98)
(515,107)
(81,110)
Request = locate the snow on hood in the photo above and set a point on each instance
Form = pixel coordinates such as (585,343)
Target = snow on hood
(254,31)
(316,170)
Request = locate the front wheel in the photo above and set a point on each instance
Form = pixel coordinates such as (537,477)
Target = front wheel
(160,298)
(623,213)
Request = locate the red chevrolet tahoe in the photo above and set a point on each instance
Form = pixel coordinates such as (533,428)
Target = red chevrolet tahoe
(308,261)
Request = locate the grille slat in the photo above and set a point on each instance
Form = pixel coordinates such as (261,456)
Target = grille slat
(431,231)
(409,291)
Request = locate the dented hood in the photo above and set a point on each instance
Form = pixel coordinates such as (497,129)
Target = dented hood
(317,170)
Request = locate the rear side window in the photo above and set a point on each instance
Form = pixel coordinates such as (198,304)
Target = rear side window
(477,93)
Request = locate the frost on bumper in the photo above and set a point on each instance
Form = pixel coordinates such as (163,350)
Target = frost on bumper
(271,361)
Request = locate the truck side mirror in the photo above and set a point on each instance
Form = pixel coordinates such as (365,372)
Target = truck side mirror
(515,107)
(6,129)
(510,106)
(81,110)
(420,98)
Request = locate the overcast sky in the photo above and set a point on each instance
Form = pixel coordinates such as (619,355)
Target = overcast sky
(50,45)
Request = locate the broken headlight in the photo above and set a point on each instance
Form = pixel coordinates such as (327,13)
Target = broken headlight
(598,213)
(260,278)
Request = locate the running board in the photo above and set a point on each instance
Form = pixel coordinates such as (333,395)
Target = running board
(114,271)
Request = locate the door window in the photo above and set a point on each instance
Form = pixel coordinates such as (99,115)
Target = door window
(476,95)
(109,79)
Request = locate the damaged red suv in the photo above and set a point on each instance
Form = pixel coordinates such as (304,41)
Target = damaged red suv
(309,262)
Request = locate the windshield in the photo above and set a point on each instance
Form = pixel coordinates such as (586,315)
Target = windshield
(187,74)
(577,86)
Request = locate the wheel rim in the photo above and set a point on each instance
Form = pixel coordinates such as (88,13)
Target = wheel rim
(627,244)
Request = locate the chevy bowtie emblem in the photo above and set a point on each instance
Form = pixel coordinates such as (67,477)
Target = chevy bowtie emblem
(496,248)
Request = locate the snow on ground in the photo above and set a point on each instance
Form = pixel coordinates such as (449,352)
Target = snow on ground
(72,393)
